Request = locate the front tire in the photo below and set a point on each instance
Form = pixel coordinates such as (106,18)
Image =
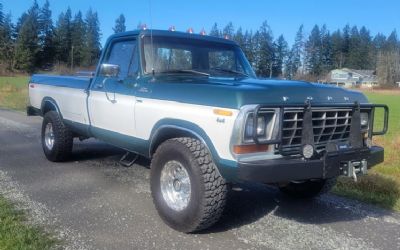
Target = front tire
(309,188)
(188,191)
(57,139)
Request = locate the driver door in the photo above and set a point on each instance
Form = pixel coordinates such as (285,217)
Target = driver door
(112,102)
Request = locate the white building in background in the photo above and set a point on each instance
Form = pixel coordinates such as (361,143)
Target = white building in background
(352,78)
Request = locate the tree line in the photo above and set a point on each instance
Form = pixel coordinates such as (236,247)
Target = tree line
(35,42)
(312,57)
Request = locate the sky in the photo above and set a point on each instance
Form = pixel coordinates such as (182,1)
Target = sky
(283,16)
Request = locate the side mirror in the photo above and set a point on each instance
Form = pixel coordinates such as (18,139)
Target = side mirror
(109,70)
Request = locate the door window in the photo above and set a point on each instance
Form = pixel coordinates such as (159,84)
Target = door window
(124,54)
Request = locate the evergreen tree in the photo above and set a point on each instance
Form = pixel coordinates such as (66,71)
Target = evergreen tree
(392,42)
(63,39)
(228,31)
(326,50)
(265,50)
(378,44)
(2,32)
(7,42)
(313,52)
(120,24)
(1,15)
(297,53)
(215,31)
(78,36)
(366,49)
(345,49)
(280,54)
(379,41)
(289,71)
(27,45)
(20,21)
(46,35)
(249,48)
(93,47)
(337,53)
(354,56)
(239,38)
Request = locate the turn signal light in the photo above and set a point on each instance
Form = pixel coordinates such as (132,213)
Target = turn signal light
(253,148)
(223,112)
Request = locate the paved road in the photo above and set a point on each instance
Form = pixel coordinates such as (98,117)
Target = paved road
(94,203)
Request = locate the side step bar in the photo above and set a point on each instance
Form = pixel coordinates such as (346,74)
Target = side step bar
(128,159)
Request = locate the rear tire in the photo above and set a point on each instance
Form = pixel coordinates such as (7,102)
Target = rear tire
(57,139)
(309,188)
(203,198)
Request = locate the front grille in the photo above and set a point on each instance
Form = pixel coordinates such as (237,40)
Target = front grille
(329,125)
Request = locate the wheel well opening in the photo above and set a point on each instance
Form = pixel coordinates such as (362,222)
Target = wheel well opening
(48,106)
(166,134)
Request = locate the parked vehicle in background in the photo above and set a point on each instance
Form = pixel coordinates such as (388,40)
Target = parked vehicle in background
(193,105)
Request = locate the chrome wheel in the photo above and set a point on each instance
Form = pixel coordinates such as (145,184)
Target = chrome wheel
(175,185)
(49,136)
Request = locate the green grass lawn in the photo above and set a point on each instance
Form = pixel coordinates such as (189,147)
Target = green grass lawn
(381,186)
(14,92)
(15,233)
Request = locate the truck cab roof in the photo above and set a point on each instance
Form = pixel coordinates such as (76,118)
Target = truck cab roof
(178,34)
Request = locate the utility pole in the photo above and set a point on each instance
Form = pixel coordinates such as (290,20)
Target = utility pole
(72,58)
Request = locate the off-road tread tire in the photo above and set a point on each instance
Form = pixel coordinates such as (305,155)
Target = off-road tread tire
(309,189)
(214,186)
(63,143)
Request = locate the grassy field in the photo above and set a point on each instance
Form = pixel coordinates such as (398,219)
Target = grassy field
(15,233)
(381,186)
(13,92)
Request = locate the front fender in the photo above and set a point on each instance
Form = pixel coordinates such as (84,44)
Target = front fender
(187,128)
(171,128)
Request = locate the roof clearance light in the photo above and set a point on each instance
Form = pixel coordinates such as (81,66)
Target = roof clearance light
(172,28)
(143,27)
(203,32)
(190,30)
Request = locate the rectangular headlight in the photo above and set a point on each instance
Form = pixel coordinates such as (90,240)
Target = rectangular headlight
(265,126)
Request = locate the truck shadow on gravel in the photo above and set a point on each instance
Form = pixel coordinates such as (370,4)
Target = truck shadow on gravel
(93,150)
(249,203)
(254,202)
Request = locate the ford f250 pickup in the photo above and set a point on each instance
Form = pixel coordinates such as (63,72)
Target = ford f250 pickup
(193,105)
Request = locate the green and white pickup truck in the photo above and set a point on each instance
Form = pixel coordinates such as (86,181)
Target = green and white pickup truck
(193,105)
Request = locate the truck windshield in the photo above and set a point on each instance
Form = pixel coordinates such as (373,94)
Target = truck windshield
(172,55)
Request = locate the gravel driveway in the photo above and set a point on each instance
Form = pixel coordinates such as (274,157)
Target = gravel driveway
(94,203)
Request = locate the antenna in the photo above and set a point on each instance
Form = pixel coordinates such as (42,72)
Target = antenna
(151,40)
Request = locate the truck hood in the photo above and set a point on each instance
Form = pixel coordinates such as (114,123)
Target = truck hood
(234,93)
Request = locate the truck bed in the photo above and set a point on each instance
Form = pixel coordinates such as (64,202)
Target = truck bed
(67,93)
(77,82)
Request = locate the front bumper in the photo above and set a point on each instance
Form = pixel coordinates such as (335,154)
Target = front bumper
(294,168)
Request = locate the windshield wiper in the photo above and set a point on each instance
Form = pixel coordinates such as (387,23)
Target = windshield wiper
(195,72)
(230,71)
